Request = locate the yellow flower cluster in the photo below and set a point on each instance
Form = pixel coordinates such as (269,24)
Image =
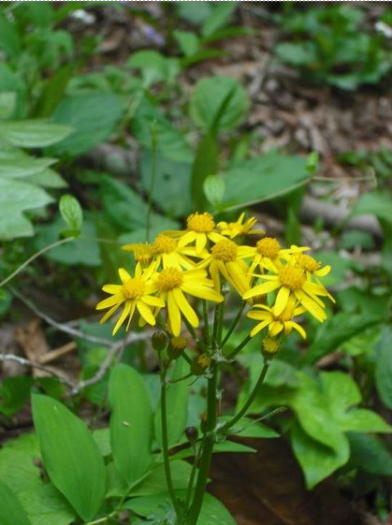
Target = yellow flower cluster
(195,262)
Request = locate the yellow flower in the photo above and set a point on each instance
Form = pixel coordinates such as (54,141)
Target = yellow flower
(292,282)
(135,293)
(311,266)
(277,323)
(266,254)
(226,259)
(200,229)
(172,283)
(167,253)
(233,229)
(142,252)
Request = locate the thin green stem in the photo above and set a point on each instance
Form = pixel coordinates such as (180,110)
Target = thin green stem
(192,331)
(208,447)
(187,376)
(234,324)
(249,401)
(239,348)
(154,143)
(206,323)
(35,256)
(165,447)
(192,476)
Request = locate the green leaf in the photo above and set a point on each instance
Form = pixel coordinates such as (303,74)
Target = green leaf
(17,467)
(130,423)
(214,189)
(375,204)
(341,392)
(317,461)
(154,66)
(15,164)
(262,179)
(219,17)
(11,511)
(384,368)
(247,427)
(14,392)
(206,163)
(71,212)
(92,116)
(209,97)
(188,42)
(363,420)
(9,37)
(32,133)
(177,406)
(370,454)
(47,178)
(45,506)
(17,197)
(70,455)
(7,104)
(155,482)
(338,329)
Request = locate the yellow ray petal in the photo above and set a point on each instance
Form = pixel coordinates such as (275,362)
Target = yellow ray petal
(124,275)
(174,314)
(186,308)
(281,300)
(112,288)
(146,313)
(123,316)
(262,289)
(109,302)
(202,292)
(153,301)
(259,327)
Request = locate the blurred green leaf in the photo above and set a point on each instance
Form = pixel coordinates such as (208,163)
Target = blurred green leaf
(214,189)
(130,423)
(219,17)
(18,468)
(154,66)
(71,212)
(45,505)
(92,116)
(370,454)
(7,104)
(155,482)
(14,393)
(188,42)
(15,164)
(11,511)
(70,455)
(10,41)
(208,98)
(384,368)
(206,163)
(32,133)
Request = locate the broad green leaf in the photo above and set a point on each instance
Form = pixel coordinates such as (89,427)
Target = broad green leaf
(155,482)
(188,42)
(338,329)
(317,461)
(341,391)
(130,423)
(18,469)
(92,116)
(102,438)
(10,81)
(208,99)
(384,368)
(7,104)
(53,91)
(47,178)
(40,14)
(264,178)
(71,212)
(17,197)
(195,13)
(363,420)
(206,163)
(154,66)
(177,406)
(218,18)
(370,454)
(172,179)
(11,511)
(376,204)
(70,456)
(214,189)
(14,392)
(32,133)
(15,164)
(45,505)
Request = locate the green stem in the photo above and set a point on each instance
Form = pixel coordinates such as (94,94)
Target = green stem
(192,331)
(208,447)
(234,324)
(239,348)
(35,256)
(154,143)
(249,401)
(206,323)
(192,477)
(165,447)
(173,381)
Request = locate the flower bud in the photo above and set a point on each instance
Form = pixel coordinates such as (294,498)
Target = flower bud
(270,345)
(176,346)
(191,434)
(200,364)
(159,341)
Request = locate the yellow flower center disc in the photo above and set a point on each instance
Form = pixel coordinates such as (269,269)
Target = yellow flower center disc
(292,277)
(163,244)
(201,222)
(307,263)
(169,279)
(268,247)
(134,288)
(225,251)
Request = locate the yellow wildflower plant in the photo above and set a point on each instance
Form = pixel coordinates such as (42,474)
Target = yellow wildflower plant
(135,293)
(277,324)
(266,254)
(172,285)
(238,228)
(168,253)
(200,229)
(291,281)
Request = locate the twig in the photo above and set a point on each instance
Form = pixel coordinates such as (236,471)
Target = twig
(30,364)
(55,354)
